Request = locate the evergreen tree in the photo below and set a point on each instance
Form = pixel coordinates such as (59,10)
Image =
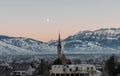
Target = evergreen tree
(110,65)
(43,68)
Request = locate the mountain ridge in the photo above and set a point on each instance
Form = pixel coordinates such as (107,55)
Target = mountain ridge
(98,41)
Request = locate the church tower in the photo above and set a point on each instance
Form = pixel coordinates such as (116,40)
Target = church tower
(61,60)
(59,47)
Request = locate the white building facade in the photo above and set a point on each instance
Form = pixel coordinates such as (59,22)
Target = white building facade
(74,70)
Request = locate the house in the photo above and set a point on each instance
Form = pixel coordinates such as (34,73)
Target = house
(22,69)
(74,70)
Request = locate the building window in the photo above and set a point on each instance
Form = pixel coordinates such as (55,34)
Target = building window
(57,74)
(86,74)
(67,66)
(63,75)
(76,68)
(16,73)
(63,69)
(87,68)
(72,74)
(53,74)
(70,69)
(77,74)
(91,68)
(67,74)
(81,74)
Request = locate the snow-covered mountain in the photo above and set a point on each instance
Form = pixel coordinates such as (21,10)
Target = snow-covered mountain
(98,41)
(20,45)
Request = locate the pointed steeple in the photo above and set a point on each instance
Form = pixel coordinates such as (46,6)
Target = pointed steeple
(61,60)
(59,46)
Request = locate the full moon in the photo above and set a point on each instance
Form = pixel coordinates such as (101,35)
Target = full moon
(48,20)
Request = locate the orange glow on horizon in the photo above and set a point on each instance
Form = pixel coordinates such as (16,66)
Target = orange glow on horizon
(47,36)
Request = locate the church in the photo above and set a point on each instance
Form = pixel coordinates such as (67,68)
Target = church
(63,67)
(61,60)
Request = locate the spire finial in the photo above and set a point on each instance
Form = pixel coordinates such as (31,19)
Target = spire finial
(59,37)
(59,46)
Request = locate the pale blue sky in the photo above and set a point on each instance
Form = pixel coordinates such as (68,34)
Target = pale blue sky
(27,18)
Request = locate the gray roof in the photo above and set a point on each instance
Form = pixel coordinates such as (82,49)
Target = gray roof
(21,66)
